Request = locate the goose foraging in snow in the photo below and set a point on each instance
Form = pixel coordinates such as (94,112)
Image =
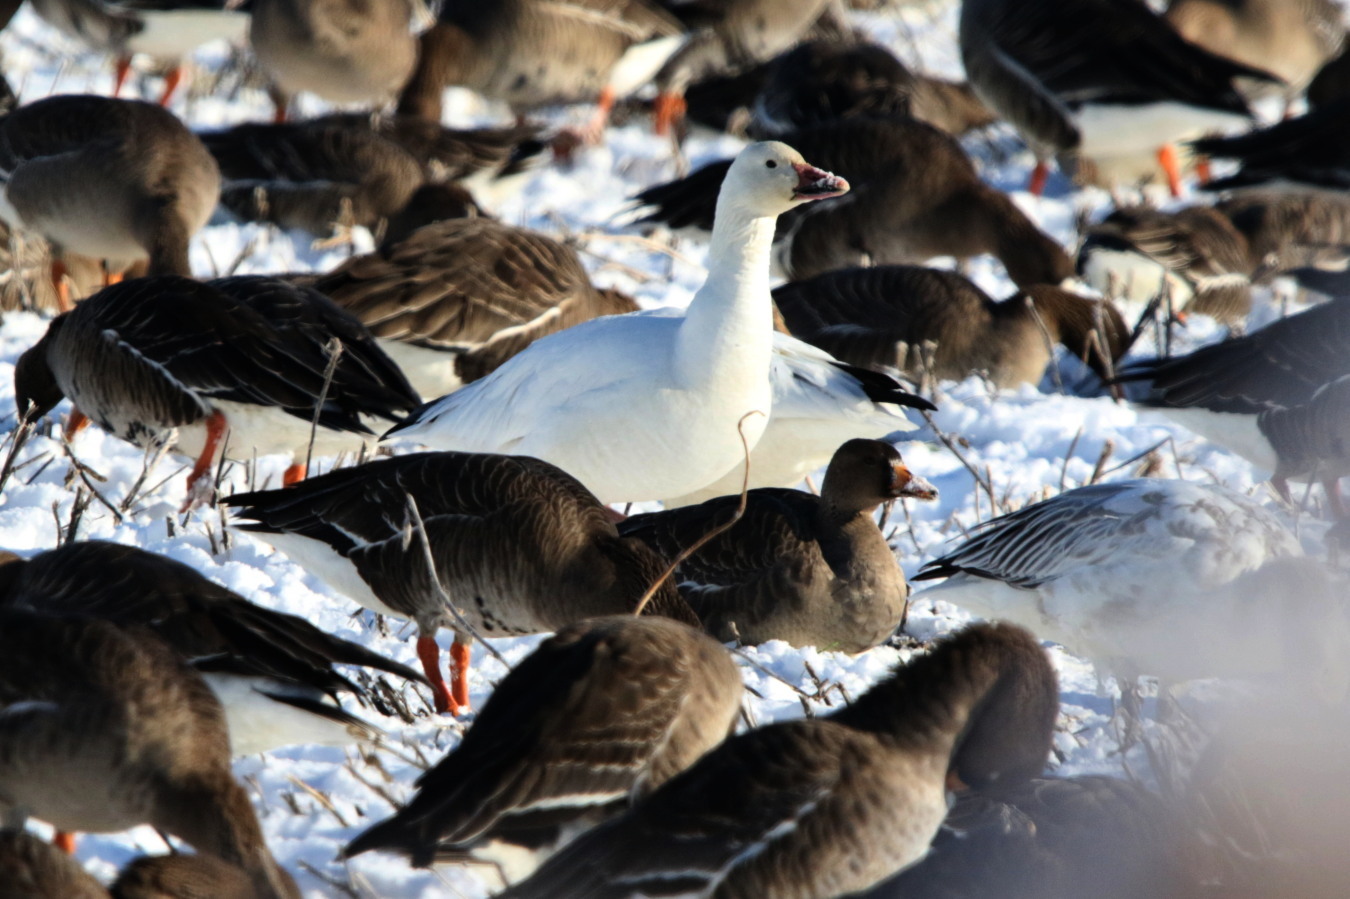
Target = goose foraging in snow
(158,359)
(598,716)
(271,671)
(645,406)
(811,570)
(826,806)
(519,547)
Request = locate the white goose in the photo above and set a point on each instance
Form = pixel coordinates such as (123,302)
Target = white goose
(641,407)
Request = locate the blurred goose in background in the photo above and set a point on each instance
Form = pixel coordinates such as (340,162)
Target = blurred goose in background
(1195,253)
(826,806)
(116,180)
(736,35)
(1279,397)
(1174,578)
(34,869)
(1311,152)
(1291,39)
(1292,232)
(1050,838)
(355,170)
(917,196)
(1102,79)
(531,53)
(597,717)
(889,315)
(344,51)
(519,547)
(103,730)
(453,300)
(645,406)
(811,570)
(236,365)
(166,30)
(272,672)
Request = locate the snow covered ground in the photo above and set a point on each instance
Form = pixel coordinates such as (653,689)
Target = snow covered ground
(1027,444)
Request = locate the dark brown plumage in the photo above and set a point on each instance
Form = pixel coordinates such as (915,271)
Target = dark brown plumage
(822,807)
(104,730)
(915,196)
(598,716)
(519,546)
(34,869)
(888,315)
(811,570)
(454,300)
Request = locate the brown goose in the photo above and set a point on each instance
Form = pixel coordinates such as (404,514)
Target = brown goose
(889,314)
(355,170)
(1279,397)
(916,196)
(1101,79)
(519,546)
(181,876)
(1292,39)
(529,53)
(1291,232)
(595,718)
(271,671)
(823,807)
(1196,252)
(455,299)
(104,730)
(1050,838)
(157,358)
(116,180)
(740,34)
(345,51)
(33,869)
(811,570)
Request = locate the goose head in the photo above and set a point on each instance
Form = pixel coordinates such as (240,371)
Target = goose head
(866,473)
(34,382)
(769,178)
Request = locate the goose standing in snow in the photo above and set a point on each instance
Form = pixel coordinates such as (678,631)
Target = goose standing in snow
(102,730)
(639,407)
(1279,397)
(598,716)
(1166,574)
(519,547)
(827,806)
(530,53)
(886,316)
(117,180)
(454,300)
(272,672)
(167,30)
(916,196)
(159,359)
(345,51)
(811,570)
(1102,79)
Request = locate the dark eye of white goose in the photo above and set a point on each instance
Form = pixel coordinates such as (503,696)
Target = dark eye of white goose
(771,164)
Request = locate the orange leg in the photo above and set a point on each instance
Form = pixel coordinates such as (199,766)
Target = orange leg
(62,286)
(1039,175)
(65,841)
(110,278)
(280,105)
(667,111)
(1167,158)
(460,654)
(294,474)
(199,481)
(122,71)
(1202,172)
(75,424)
(430,654)
(172,79)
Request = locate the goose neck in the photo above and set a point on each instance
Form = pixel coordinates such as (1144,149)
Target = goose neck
(733,310)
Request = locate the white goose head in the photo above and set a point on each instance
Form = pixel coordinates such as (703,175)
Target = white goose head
(769,178)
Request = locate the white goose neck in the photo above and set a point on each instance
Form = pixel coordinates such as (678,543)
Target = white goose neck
(731,316)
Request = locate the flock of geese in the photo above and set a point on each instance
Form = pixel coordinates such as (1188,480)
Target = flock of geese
(513,404)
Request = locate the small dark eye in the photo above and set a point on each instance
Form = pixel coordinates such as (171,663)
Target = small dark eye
(771,164)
